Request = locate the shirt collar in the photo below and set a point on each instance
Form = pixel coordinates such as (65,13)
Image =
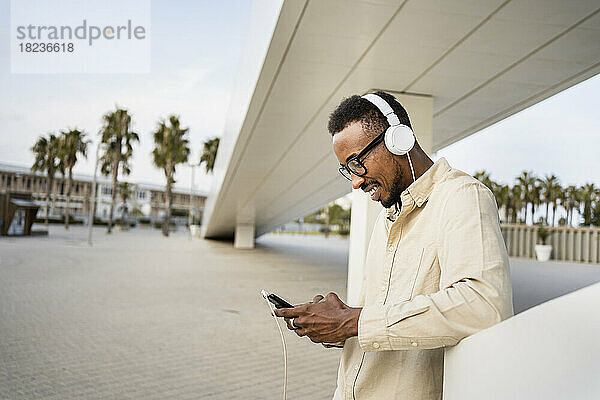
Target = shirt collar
(419,191)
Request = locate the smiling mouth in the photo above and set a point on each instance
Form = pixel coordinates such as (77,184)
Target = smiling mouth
(372,191)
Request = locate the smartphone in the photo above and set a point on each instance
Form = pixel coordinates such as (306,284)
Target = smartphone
(278,301)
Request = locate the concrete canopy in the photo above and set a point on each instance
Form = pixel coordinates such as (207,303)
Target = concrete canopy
(480,60)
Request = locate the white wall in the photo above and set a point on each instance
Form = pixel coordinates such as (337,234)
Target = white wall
(548,352)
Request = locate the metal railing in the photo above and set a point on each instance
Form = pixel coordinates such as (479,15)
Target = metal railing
(568,244)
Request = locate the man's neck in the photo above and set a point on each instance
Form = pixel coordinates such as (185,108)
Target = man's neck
(421,162)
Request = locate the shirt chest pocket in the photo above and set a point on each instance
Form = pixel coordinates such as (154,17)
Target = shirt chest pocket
(414,271)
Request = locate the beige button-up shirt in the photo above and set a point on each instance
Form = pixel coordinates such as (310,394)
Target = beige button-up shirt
(435,275)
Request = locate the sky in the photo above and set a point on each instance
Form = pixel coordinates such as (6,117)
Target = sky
(196,48)
(560,135)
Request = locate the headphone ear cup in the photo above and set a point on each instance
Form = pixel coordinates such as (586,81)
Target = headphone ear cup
(399,139)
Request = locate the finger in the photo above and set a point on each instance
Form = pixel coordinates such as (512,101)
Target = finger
(314,339)
(288,322)
(332,296)
(318,298)
(285,312)
(301,332)
(291,312)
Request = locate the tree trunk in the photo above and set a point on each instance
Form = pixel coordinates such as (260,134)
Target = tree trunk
(94,203)
(52,197)
(69,185)
(48,183)
(571,216)
(125,216)
(547,205)
(115,174)
(327,221)
(553,213)
(167,205)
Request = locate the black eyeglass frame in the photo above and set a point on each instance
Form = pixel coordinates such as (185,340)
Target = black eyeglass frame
(345,168)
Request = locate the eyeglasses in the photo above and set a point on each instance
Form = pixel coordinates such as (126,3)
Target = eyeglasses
(354,165)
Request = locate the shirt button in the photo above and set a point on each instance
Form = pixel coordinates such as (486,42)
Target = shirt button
(375,345)
(414,344)
(356,367)
(391,248)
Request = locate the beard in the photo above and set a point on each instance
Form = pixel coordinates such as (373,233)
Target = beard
(394,196)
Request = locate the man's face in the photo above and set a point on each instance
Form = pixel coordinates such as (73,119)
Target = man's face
(384,178)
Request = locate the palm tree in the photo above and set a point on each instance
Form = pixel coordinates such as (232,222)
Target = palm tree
(47,159)
(596,213)
(549,190)
(72,143)
(571,202)
(172,147)
(557,197)
(589,192)
(527,182)
(502,194)
(535,199)
(516,194)
(118,139)
(209,154)
(515,202)
(124,192)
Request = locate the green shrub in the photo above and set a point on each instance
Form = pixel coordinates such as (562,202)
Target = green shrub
(344,232)
(542,233)
(159,224)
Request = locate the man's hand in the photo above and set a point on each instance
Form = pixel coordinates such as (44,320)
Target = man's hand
(324,320)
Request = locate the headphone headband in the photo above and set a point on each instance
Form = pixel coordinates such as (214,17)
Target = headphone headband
(384,107)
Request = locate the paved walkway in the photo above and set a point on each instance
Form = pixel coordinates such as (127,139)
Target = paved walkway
(535,282)
(139,316)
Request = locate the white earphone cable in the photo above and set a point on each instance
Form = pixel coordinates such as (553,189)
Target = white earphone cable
(411,166)
(272,308)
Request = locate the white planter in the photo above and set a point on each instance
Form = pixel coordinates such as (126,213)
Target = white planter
(195,230)
(543,252)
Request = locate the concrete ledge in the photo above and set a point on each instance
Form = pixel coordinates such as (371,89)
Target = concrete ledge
(550,351)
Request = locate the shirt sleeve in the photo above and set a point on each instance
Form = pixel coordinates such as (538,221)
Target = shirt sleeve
(475,290)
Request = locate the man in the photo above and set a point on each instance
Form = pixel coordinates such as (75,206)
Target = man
(436,269)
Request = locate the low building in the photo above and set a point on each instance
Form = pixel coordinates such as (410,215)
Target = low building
(145,200)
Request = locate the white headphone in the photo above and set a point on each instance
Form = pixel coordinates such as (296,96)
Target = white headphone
(399,138)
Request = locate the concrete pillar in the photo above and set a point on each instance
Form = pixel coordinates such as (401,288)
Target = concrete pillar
(594,247)
(363,216)
(587,233)
(515,242)
(563,244)
(554,232)
(365,211)
(577,256)
(528,235)
(571,245)
(509,241)
(244,236)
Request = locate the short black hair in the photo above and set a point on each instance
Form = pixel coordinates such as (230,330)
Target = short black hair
(355,108)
